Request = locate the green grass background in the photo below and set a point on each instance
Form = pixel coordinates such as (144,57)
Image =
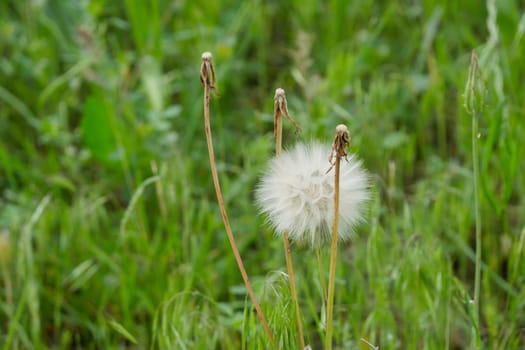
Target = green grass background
(110,236)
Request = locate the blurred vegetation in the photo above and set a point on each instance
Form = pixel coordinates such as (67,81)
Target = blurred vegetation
(110,236)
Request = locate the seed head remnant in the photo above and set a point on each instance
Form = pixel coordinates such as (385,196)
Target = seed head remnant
(207,72)
(341,142)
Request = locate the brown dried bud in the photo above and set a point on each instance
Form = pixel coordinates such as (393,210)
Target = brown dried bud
(207,72)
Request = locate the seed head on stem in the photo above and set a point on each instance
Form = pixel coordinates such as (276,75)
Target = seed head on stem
(474,104)
(207,77)
(301,200)
(296,194)
(341,141)
(207,74)
(280,109)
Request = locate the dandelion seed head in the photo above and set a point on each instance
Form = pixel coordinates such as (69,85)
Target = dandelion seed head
(297,194)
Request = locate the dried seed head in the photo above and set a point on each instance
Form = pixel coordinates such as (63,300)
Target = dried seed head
(280,96)
(280,108)
(341,141)
(207,72)
(342,135)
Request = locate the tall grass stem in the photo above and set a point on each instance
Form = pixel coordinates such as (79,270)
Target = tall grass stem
(474,104)
(477,276)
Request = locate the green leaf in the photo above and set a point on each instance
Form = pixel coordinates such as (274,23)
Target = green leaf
(61,181)
(96,129)
(122,331)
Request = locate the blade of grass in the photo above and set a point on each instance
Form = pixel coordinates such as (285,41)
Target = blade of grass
(474,104)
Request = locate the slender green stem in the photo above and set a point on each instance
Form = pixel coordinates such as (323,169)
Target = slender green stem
(321,273)
(333,259)
(208,85)
(477,277)
(474,100)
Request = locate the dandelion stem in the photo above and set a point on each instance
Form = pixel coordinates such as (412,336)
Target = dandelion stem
(333,256)
(207,76)
(280,109)
(341,140)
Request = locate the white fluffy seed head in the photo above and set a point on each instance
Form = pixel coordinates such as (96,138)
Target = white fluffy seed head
(297,194)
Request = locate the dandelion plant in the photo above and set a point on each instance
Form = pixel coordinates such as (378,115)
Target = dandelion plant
(280,110)
(297,192)
(341,141)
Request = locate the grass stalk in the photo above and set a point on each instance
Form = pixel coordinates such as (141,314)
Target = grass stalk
(159,190)
(320,264)
(280,109)
(207,76)
(474,103)
(341,140)
(477,277)
(372,346)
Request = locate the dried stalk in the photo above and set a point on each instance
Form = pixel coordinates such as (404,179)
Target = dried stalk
(280,110)
(341,141)
(207,77)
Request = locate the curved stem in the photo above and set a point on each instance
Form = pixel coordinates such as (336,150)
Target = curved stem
(224,215)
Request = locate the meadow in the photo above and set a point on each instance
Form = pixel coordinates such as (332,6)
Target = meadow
(110,232)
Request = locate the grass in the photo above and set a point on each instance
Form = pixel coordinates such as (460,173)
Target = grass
(474,102)
(110,236)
